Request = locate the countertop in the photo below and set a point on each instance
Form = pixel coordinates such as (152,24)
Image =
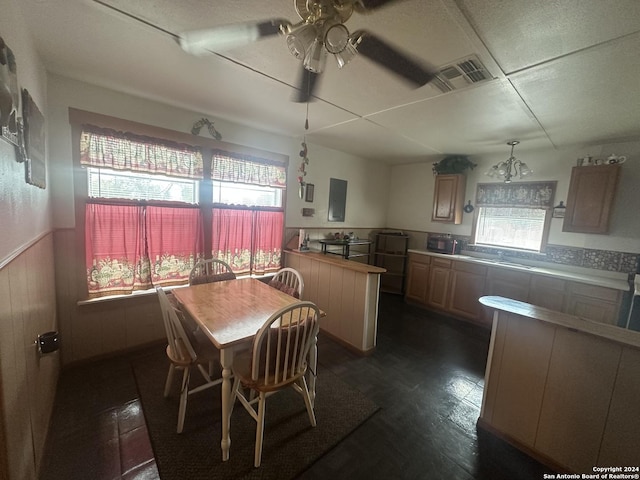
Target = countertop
(615,280)
(610,332)
(338,261)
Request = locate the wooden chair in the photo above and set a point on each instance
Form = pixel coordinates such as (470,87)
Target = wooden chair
(277,360)
(212,270)
(288,280)
(185,352)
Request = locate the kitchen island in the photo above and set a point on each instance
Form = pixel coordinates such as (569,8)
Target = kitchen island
(562,388)
(346,290)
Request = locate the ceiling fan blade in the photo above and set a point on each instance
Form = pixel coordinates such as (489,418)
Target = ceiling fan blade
(218,39)
(306,85)
(365,5)
(393,59)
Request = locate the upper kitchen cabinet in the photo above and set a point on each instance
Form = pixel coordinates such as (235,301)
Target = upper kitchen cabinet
(448,198)
(590,200)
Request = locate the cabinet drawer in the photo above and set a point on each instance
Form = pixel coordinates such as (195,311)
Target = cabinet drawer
(418,258)
(470,268)
(441,262)
(594,291)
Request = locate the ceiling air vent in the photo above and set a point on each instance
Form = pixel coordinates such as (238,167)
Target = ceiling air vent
(461,74)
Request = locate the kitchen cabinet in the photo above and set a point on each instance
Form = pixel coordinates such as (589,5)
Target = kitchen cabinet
(391,254)
(448,198)
(438,288)
(547,292)
(418,278)
(506,283)
(454,286)
(590,199)
(592,302)
(467,286)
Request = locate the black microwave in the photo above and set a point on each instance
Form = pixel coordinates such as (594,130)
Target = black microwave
(446,245)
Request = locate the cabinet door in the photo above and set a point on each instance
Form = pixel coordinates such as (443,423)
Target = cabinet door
(590,198)
(547,292)
(599,304)
(506,283)
(448,198)
(418,280)
(467,286)
(439,277)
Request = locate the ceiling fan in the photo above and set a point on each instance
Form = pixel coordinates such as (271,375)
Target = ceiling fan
(320,32)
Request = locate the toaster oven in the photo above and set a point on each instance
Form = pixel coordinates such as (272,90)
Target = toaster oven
(446,245)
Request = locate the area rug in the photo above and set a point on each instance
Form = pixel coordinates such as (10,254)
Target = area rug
(290,445)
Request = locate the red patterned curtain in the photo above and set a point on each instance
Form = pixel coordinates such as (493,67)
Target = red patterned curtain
(115,250)
(267,250)
(231,238)
(175,239)
(135,247)
(249,241)
(247,170)
(106,148)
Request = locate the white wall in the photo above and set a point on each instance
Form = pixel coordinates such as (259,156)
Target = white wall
(24,209)
(411,195)
(367,191)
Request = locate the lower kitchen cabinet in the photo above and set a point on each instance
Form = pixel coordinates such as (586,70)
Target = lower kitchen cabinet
(454,286)
(592,302)
(467,286)
(548,292)
(418,278)
(438,288)
(505,283)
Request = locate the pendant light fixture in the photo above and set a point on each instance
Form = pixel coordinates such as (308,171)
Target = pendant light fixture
(509,168)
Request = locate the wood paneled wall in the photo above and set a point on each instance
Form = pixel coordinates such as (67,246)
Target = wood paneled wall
(27,380)
(103,327)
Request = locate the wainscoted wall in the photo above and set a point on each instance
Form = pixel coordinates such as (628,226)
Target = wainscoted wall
(27,380)
(101,327)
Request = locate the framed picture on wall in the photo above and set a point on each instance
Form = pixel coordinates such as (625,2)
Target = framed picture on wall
(308,193)
(34,141)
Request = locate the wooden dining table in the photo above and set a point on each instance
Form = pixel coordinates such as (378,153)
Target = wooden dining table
(230,313)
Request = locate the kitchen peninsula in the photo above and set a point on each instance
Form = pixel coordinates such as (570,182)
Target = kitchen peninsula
(562,388)
(346,290)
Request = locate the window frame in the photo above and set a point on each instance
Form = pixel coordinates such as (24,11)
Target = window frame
(547,205)
(77,118)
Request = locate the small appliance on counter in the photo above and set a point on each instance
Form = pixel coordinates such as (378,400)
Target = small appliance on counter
(443,244)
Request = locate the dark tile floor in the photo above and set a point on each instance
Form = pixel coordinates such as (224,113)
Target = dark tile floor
(426,375)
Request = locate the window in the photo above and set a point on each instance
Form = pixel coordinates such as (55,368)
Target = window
(511,227)
(514,216)
(145,214)
(105,183)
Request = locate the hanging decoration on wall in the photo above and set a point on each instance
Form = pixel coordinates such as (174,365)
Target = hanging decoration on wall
(34,142)
(9,99)
(212,130)
(302,171)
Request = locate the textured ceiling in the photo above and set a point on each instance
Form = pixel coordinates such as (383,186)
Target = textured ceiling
(564,72)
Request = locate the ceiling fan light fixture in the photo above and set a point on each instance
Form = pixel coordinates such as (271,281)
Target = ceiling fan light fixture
(301,40)
(316,58)
(346,55)
(336,38)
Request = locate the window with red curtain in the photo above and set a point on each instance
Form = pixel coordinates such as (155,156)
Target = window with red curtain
(144,222)
(248,237)
(131,242)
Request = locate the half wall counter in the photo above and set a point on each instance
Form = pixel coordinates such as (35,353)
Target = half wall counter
(562,388)
(346,290)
